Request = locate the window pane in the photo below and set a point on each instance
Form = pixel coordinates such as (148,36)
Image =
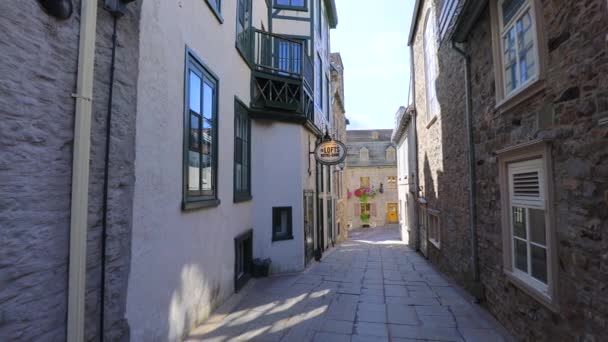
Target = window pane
(195,132)
(537,226)
(509,9)
(525,41)
(521,255)
(539,263)
(194,171)
(519,222)
(510,60)
(195,92)
(207,174)
(207,100)
(284,222)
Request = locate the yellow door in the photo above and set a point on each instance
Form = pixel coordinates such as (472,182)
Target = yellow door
(391,213)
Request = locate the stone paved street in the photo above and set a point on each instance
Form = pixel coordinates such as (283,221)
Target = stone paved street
(370,288)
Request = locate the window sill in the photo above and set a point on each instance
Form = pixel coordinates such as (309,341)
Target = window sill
(428,125)
(531,291)
(520,96)
(279,239)
(240,198)
(215,11)
(194,205)
(435,243)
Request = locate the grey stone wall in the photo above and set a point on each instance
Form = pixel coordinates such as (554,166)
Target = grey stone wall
(567,110)
(39,56)
(442,156)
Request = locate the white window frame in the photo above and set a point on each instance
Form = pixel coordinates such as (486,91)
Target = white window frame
(532,155)
(433,223)
(506,100)
(391,151)
(364,154)
(431,67)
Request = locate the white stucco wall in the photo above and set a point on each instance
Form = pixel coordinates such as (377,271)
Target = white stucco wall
(278,165)
(406,159)
(182,263)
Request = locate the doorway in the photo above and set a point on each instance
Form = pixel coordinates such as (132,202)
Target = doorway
(392,213)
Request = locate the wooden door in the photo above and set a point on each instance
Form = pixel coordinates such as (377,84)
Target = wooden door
(392,213)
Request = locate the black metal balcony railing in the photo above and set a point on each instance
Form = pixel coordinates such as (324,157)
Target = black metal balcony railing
(276,54)
(283,75)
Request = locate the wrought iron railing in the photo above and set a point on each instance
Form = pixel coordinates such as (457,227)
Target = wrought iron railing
(281,56)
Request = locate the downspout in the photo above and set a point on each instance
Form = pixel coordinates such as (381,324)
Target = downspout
(476,289)
(106,186)
(80,172)
(415,123)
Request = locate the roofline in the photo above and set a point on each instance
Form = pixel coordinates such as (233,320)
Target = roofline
(404,117)
(469,15)
(332,13)
(414,25)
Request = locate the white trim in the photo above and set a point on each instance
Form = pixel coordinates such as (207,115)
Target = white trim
(603,121)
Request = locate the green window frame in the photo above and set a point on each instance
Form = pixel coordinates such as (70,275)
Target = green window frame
(295,5)
(243,28)
(200,185)
(216,8)
(282,224)
(242,152)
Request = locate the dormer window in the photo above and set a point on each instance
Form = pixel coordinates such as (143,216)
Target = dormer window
(391,154)
(364,154)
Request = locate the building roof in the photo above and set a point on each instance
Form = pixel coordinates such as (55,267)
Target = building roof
(403,117)
(376,141)
(332,13)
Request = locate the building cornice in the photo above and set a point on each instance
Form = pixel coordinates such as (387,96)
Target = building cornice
(332,13)
(403,117)
(413,26)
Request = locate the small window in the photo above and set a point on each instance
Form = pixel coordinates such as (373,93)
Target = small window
(364,182)
(528,225)
(281,224)
(243,28)
(290,4)
(242,153)
(243,257)
(375,135)
(391,154)
(216,8)
(433,228)
(518,44)
(200,136)
(364,154)
(392,182)
(528,222)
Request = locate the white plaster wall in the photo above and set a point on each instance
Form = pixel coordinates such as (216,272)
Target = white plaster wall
(182,263)
(278,164)
(406,152)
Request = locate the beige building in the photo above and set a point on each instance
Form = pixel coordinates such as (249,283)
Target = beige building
(371,178)
(339,129)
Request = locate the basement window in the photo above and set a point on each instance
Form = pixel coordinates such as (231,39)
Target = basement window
(243,257)
(282,228)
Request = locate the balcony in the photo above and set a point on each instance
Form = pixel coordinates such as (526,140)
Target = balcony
(282,78)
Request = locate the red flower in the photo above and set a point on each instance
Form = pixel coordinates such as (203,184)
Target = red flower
(358,193)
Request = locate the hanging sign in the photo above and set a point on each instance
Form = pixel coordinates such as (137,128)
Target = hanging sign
(331,152)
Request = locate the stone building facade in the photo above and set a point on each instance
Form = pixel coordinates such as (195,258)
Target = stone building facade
(371,166)
(339,125)
(39,55)
(540,147)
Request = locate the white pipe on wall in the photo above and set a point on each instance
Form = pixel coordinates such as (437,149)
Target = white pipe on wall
(80,171)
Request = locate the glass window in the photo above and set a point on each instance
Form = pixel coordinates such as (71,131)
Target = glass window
(243,27)
(291,3)
(364,154)
(364,182)
(242,152)
(391,154)
(519,47)
(281,224)
(319,82)
(200,134)
(216,8)
(392,182)
(528,221)
(433,228)
(430,58)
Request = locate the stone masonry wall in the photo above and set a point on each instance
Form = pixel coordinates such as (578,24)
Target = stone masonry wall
(442,156)
(567,111)
(38,64)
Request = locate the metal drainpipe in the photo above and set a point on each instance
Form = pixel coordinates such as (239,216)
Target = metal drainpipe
(414,123)
(472,176)
(80,172)
(106,182)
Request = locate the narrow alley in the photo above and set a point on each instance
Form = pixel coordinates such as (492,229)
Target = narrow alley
(370,288)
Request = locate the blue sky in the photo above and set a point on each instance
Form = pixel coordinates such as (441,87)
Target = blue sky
(372,40)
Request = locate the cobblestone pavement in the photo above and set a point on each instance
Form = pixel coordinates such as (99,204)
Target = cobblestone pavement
(370,288)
